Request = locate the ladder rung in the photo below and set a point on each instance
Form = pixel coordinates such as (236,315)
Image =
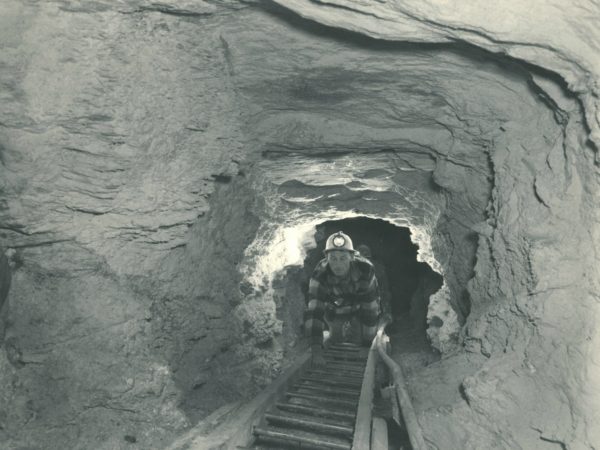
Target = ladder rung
(343,355)
(320,398)
(351,376)
(327,389)
(344,351)
(334,371)
(314,411)
(330,384)
(342,359)
(297,438)
(310,424)
(334,381)
(345,345)
(341,366)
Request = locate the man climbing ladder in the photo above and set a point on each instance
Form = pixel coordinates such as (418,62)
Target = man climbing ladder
(343,293)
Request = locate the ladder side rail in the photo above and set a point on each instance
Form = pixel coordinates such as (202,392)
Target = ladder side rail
(415,433)
(362,429)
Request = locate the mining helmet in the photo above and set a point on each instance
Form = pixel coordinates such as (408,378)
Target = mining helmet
(339,241)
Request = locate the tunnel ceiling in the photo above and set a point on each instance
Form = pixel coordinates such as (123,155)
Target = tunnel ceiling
(164,167)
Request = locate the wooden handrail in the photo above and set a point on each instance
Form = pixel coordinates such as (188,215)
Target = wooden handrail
(415,434)
(362,427)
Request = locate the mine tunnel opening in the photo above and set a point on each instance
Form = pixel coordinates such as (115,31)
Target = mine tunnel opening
(405,283)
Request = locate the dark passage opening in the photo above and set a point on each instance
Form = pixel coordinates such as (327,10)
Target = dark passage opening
(405,283)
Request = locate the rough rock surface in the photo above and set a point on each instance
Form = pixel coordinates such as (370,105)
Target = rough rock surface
(164,165)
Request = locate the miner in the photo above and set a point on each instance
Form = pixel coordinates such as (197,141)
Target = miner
(343,294)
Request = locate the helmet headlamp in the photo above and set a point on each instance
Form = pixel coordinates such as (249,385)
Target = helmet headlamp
(339,241)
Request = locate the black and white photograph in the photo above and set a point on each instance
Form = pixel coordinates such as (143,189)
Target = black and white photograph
(299,224)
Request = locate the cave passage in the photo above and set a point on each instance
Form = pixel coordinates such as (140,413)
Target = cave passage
(405,284)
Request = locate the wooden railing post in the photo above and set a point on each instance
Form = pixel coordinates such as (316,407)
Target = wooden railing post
(362,428)
(415,434)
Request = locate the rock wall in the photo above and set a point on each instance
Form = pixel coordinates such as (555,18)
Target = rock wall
(116,131)
(5,277)
(163,163)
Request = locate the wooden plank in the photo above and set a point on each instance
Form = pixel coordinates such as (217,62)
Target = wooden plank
(379,434)
(362,428)
(348,377)
(389,393)
(343,355)
(296,437)
(415,434)
(354,375)
(311,425)
(323,389)
(334,382)
(321,399)
(340,367)
(316,411)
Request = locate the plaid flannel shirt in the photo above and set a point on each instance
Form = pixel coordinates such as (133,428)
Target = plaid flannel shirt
(358,289)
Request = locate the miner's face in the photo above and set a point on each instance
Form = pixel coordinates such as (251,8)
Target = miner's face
(339,262)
